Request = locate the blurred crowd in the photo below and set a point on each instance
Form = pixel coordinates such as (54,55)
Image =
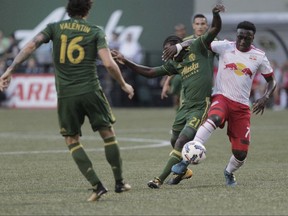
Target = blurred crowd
(147,91)
(279,101)
(41,62)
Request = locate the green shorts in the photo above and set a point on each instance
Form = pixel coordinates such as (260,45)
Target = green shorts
(191,115)
(93,105)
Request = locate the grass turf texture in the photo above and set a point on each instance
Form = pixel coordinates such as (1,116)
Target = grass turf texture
(39,177)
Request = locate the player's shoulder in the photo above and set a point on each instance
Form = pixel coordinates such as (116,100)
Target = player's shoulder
(223,46)
(190,37)
(257,50)
(224,42)
(170,64)
(168,67)
(59,24)
(96,29)
(93,25)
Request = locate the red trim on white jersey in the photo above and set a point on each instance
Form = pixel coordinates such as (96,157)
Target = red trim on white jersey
(268,75)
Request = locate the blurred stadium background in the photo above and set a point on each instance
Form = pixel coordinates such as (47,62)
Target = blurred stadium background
(149,22)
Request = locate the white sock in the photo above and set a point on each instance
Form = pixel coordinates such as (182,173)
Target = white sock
(205,131)
(234,164)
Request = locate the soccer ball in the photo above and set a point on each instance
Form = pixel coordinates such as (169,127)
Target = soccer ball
(193,152)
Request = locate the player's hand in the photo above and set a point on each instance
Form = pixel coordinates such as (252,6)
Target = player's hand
(165,91)
(5,79)
(259,105)
(128,89)
(219,8)
(117,56)
(169,52)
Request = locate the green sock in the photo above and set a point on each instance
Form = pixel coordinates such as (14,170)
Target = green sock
(174,158)
(112,154)
(83,162)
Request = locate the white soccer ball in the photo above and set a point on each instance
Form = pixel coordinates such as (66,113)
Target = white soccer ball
(193,152)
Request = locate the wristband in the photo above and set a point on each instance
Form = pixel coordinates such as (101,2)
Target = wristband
(179,48)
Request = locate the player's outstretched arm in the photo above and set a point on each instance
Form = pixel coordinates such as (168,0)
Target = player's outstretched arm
(114,71)
(139,69)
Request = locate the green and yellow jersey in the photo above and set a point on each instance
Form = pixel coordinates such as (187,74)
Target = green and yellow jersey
(176,82)
(74,43)
(196,72)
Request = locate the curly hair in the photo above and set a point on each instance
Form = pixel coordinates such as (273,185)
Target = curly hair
(173,39)
(78,7)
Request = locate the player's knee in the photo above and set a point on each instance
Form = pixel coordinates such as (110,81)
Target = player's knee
(181,141)
(240,155)
(71,139)
(186,135)
(174,138)
(216,119)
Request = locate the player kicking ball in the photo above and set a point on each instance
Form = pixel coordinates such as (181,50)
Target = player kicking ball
(239,61)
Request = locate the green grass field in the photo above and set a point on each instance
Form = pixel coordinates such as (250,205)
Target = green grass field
(39,177)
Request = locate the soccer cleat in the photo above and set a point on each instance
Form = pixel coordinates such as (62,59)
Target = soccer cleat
(180,167)
(230,179)
(155,183)
(122,187)
(98,191)
(176,178)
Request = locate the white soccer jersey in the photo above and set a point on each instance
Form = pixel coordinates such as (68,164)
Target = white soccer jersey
(237,70)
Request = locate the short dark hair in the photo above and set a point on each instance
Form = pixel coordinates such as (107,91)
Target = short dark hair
(247,26)
(78,7)
(199,16)
(173,39)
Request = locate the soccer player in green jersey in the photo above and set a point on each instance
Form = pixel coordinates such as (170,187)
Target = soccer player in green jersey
(172,84)
(76,44)
(194,66)
(200,26)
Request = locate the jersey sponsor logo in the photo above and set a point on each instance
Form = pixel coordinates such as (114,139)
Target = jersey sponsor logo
(253,57)
(239,69)
(190,70)
(192,57)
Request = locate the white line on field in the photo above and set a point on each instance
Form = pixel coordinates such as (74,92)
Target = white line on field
(152,143)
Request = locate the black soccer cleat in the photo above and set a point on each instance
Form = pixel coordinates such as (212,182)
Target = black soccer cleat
(122,187)
(98,191)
